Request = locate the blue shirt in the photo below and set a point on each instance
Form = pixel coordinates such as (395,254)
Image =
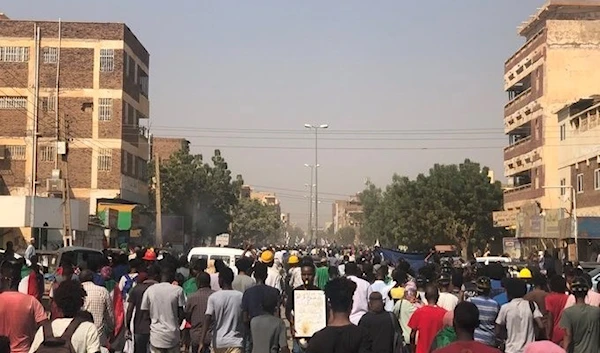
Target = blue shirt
(488,311)
(501,299)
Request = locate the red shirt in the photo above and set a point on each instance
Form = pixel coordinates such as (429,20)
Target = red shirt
(427,320)
(467,347)
(555,304)
(20,315)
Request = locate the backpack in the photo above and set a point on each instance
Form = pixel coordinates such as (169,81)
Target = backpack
(62,344)
(129,281)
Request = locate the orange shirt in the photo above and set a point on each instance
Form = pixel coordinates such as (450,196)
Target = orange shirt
(20,316)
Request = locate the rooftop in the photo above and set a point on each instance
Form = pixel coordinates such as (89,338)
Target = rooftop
(549,8)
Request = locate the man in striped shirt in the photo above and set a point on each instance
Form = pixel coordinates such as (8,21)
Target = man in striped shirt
(488,311)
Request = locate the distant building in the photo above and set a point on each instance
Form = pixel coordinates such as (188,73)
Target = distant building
(347,213)
(165,147)
(266,198)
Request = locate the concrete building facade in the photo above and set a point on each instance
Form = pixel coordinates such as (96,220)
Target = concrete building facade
(93,100)
(556,66)
(347,213)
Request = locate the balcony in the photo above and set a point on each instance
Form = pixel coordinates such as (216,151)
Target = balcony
(528,48)
(518,102)
(522,116)
(522,193)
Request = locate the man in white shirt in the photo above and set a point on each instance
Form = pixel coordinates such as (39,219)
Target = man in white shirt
(360,305)
(447,300)
(518,316)
(164,303)
(274,278)
(380,286)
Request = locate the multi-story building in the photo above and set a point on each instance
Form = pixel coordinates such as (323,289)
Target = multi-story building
(347,213)
(579,173)
(91,84)
(165,147)
(555,66)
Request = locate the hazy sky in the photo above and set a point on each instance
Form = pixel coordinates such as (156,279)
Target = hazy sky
(251,73)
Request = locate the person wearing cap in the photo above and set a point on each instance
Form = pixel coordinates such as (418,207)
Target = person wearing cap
(488,312)
(447,300)
(581,322)
(294,273)
(274,278)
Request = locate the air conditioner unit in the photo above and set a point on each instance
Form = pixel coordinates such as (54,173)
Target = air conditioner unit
(2,152)
(55,186)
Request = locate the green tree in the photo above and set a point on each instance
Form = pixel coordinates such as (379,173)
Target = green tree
(346,236)
(296,234)
(255,222)
(204,194)
(452,204)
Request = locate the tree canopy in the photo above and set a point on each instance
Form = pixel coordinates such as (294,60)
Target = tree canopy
(452,204)
(255,222)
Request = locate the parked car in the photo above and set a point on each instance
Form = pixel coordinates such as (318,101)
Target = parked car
(228,255)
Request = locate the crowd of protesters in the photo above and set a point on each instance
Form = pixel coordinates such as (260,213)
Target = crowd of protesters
(142,302)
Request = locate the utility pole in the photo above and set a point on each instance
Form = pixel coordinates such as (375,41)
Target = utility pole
(316,128)
(158,230)
(34,131)
(310,202)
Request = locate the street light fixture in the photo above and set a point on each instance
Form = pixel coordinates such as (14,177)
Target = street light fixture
(316,128)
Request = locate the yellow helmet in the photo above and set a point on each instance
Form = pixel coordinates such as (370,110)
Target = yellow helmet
(293,260)
(525,273)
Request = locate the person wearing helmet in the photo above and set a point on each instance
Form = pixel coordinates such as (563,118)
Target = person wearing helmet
(580,322)
(294,273)
(447,300)
(488,311)
(149,257)
(525,274)
(274,278)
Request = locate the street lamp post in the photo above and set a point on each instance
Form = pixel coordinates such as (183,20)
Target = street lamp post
(574,226)
(316,128)
(310,200)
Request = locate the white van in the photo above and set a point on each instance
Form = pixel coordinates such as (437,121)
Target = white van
(228,255)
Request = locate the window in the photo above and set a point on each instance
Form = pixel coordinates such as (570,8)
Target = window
(563,184)
(105,159)
(126,62)
(105,109)
(125,163)
(14,54)
(579,183)
(50,55)
(597,179)
(48,104)
(13,102)
(126,114)
(563,132)
(107,60)
(47,153)
(144,85)
(16,153)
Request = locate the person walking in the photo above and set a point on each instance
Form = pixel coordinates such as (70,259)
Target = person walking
(224,311)
(555,303)
(465,322)
(581,322)
(380,286)
(426,321)
(141,320)
(340,335)
(242,280)
(164,303)
(382,326)
(252,301)
(195,312)
(20,314)
(488,310)
(99,304)
(308,273)
(69,298)
(268,330)
(518,317)
(360,300)
(447,300)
